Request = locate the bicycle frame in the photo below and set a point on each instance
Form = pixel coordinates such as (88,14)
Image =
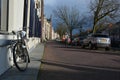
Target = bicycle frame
(18,46)
(20,39)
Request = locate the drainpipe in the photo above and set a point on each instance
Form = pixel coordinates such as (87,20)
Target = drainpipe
(42,19)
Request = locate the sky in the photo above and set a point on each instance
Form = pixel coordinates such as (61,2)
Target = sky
(50,5)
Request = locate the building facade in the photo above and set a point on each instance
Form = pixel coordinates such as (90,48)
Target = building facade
(18,15)
(54,34)
(46,29)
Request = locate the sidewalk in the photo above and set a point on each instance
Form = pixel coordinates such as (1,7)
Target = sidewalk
(33,67)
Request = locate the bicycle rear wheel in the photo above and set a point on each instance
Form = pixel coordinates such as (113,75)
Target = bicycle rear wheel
(20,57)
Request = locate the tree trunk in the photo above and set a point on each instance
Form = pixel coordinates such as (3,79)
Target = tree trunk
(70,36)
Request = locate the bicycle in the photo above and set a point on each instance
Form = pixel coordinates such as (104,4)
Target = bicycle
(19,50)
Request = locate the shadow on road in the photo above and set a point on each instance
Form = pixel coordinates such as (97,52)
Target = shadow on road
(80,66)
(51,70)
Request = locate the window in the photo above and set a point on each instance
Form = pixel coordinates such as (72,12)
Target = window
(100,35)
(35,24)
(4,11)
(0,13)
(25,15)
(32,12)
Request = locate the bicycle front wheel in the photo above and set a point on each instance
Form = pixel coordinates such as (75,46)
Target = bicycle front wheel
(20,57)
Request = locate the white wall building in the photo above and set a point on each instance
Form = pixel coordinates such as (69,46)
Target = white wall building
(18,15)
(46,30)
(54,34)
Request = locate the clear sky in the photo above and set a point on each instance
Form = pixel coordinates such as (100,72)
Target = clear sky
(83,5)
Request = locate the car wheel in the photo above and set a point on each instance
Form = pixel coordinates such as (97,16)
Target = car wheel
(75,44)
(107,49)
(90,46)
(82,46)
(95,47)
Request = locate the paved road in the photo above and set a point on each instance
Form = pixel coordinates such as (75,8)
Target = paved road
(62,62)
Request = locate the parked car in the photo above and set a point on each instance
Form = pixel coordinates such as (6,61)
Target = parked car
(77,41)
(97,40)
(68,41)
(58,39)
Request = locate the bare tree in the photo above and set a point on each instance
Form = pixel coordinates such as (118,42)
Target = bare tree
(69,16)
(61,29)
(102,9)
(82,23)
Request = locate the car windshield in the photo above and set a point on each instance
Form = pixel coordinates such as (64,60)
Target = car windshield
(99,35)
